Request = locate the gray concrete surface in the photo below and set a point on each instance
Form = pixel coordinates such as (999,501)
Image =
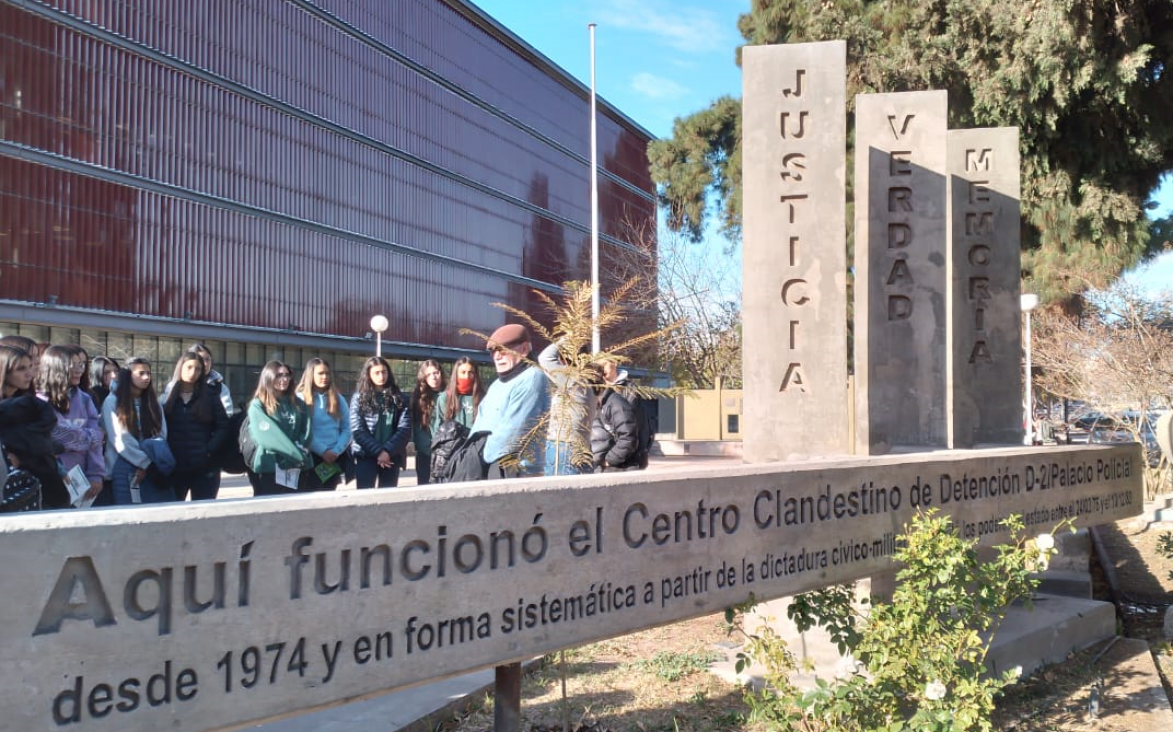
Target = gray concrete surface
(985,373)
(900,271)
(418,708)
(794,254)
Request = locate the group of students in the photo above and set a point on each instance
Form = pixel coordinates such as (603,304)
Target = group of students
(62,412)
(306,437)
(64,415)
(93,432)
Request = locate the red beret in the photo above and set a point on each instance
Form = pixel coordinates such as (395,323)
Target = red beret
(508,336)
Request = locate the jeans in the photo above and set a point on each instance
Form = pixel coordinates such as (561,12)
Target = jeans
(423,469)
(368,474)
(150,489)
(202,484)
(265,484)
(560,460)
(106,497)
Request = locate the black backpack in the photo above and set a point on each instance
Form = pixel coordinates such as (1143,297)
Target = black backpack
(21,491)
(237,454)
(646,425)
(446,443)
(228,458)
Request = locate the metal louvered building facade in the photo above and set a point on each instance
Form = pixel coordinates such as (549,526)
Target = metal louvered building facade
(268,174)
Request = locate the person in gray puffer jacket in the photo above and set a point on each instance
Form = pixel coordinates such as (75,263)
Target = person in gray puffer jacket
(572,414)
(614,433)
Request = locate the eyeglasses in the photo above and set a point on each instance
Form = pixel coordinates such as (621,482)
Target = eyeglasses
(283,376)
(77,367)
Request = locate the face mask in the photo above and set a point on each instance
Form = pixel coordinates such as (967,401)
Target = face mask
(464,385)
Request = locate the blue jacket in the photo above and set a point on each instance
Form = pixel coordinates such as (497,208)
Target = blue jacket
(120,442)
(512,406)
(327,432)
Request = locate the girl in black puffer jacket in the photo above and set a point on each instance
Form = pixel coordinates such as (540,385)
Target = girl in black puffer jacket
(197,427)
(380,426)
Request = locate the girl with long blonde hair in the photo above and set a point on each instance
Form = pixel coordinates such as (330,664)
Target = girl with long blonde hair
(329,426)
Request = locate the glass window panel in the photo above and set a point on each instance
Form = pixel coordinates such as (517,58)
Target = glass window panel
(118,346)
(169,351)
(232,354)
(145,347)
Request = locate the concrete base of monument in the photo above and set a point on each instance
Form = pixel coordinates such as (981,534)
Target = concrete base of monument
(698,448)
(1161,509)
(418,709)
(1066,582)
(1031,638)
(1049,631)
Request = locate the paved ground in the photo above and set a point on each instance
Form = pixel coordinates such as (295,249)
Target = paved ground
(237,486)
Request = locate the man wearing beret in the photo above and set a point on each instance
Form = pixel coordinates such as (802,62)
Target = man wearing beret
(513,405)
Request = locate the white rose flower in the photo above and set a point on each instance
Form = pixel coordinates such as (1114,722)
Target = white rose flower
(1045,542)
(846,667)
(935,691)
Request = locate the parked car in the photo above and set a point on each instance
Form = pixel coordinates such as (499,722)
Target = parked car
(1125,428)
(1079,429)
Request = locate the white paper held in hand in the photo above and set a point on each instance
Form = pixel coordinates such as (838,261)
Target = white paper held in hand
(78,485)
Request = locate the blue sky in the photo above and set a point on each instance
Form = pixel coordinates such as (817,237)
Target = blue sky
(657,60)
(654,59)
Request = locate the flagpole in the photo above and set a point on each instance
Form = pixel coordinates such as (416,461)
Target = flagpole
(594,206)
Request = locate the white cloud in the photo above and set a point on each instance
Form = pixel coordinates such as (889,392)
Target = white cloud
(657,87)
(676,25)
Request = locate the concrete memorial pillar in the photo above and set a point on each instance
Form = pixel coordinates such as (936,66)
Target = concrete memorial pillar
(900,271)
(985,349)
(794,251)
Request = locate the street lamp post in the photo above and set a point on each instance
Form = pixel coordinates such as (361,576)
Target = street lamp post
(379,324)
(1029,302)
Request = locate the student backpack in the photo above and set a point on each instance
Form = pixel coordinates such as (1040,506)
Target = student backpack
(247,449)
(446,443)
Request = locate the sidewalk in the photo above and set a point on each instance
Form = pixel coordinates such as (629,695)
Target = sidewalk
(237,486)
(419,708)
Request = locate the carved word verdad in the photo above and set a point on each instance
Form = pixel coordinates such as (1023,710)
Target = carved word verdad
(901,272)
(199,617)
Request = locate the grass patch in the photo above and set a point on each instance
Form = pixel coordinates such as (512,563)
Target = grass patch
(673,666)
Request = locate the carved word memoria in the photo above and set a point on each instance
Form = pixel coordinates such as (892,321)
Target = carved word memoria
(793,120)
(978,216)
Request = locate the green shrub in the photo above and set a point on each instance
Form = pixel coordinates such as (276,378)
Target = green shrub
(920,659)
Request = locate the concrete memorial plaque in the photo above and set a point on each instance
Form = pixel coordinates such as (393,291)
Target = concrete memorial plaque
(198,617)
(900,271)
(985,350)
(794,251)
